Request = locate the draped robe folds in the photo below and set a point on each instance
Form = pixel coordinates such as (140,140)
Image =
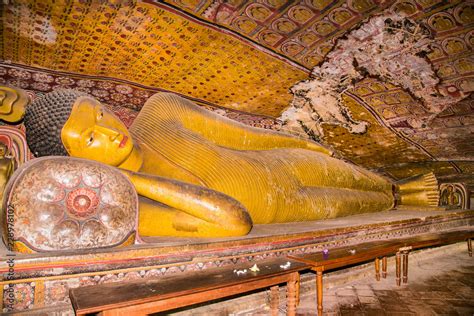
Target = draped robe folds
(266,171)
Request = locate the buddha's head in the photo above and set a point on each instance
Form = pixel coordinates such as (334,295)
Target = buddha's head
(69,122)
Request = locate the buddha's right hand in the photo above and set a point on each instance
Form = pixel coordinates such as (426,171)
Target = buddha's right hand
(220,214)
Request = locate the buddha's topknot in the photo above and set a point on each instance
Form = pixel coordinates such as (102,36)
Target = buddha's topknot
(44,120)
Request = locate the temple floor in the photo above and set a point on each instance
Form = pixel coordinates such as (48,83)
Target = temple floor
(440,283)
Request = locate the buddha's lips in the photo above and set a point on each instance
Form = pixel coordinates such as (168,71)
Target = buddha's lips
(123,142)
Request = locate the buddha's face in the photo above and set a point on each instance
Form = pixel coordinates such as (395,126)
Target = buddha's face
(93,132)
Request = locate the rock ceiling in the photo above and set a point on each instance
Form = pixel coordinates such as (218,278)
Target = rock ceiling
(241,58)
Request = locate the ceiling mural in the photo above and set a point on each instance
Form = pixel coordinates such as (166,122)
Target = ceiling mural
(125,99)
(242,58)
(302,31)
(149,45)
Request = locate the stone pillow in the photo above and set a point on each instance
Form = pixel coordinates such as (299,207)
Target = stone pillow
(64,203)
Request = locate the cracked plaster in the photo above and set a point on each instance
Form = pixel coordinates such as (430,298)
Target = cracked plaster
(389,47)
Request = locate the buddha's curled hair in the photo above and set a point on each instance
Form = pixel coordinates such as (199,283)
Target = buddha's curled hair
(44,120)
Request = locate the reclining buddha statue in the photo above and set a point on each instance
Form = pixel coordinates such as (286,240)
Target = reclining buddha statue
(200,174)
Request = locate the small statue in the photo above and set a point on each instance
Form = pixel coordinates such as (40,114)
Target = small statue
(450,197)
(453,198)
(12,109)
(199,174)
(7,166)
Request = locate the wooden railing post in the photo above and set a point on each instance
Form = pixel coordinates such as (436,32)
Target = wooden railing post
(384,267)
(377,269)
(397,267)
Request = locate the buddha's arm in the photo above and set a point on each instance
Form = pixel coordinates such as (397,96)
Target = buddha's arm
(221,130)
(231,134)
(217,214)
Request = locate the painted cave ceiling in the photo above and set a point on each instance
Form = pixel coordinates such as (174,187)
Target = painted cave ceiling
(385,84)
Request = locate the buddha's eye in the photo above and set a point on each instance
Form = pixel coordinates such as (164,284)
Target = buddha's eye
(90,140)
(100,115)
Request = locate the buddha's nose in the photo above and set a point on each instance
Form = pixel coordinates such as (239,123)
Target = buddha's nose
(110,132)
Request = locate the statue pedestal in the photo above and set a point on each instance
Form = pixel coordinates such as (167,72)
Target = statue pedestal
(42,280)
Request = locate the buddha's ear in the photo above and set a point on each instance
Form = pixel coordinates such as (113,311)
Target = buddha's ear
(65,140)
(13,102)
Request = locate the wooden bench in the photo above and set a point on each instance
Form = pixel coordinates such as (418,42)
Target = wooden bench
(143,297)
(377,250)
